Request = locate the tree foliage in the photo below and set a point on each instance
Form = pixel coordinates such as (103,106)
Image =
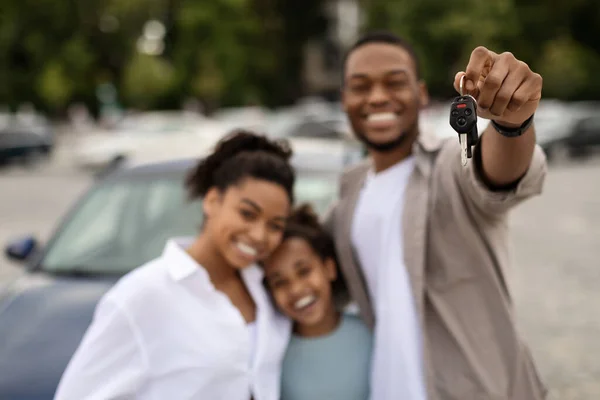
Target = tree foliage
(557,39)
(225,52)
(236,52)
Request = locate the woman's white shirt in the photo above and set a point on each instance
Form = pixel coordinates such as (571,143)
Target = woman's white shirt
(164,332)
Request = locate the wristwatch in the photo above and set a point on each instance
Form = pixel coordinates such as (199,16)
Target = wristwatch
(512,132)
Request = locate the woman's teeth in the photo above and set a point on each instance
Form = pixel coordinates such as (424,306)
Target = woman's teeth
(305,302)
(248,250)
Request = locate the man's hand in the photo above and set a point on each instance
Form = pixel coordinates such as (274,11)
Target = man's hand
(506,90)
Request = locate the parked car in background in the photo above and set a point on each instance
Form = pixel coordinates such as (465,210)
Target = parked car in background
(148,137)
(25,138)
(582,139)
(326,154)
(252,117)
(585,140)
(121,222)
(568,130)
(310,118)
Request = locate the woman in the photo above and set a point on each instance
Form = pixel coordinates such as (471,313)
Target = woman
(196,323)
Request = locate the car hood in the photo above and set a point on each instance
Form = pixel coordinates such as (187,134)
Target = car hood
(42,321)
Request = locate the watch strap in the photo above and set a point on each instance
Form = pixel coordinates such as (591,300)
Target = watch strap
(513,132)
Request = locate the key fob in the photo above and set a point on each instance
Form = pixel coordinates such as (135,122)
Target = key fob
(463,117)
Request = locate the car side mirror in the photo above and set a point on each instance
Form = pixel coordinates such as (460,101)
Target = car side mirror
(21,249)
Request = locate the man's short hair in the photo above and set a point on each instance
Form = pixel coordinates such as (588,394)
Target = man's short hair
(385,37)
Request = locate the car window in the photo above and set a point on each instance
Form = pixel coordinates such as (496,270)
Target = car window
(123,224)
(319,190)
(95,225)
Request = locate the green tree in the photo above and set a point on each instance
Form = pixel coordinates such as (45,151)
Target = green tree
(559,40)
(54,85)
(444,34)
(147,80)
(233,52)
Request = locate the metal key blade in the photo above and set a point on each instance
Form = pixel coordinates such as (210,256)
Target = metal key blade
(463,148)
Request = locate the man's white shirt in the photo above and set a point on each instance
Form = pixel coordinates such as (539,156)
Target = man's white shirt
(377,239)
(164,332)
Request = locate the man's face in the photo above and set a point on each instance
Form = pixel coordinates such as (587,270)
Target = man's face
(382,96)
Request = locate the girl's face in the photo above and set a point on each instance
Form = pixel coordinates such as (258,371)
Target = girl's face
(300,283)
(246,221)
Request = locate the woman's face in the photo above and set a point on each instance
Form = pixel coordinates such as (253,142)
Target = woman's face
(300,282)
(246,221)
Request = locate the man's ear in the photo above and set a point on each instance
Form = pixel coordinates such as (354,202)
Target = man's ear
(423,94)
(211,201)
(330,269)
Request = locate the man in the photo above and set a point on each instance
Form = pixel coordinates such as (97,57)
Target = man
(422,239)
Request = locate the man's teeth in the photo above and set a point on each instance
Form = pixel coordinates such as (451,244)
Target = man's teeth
(248,250)
(388,116)
(305,301)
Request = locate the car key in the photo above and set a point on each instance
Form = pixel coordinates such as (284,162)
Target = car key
(463,119)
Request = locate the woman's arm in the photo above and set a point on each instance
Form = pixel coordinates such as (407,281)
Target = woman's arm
(109,363)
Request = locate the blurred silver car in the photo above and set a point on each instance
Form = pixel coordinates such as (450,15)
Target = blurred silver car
(122,222)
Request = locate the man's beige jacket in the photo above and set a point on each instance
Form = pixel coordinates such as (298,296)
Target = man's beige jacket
(456,248)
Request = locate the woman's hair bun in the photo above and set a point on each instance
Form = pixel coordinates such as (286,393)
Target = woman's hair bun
(305,215)
(202,177)
(242,140)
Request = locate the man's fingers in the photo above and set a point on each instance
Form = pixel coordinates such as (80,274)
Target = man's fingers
(528,91)
(505,95)
(504,87)
(493,82)
(457,80)
(518,73)
(480,62)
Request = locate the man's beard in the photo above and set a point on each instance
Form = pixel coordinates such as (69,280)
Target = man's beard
(390,145)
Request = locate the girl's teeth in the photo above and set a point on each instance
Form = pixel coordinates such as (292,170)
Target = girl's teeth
(303,302)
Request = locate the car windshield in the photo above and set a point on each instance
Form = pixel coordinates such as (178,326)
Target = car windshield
(125,222)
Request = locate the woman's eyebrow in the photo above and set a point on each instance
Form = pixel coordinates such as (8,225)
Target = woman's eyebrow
(251,204)
(258,209)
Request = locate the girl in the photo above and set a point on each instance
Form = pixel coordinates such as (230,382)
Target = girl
(196,323)
(328,356)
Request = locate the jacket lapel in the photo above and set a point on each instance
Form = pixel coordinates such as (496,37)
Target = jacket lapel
(355,280)
(414,227)
(414,231)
